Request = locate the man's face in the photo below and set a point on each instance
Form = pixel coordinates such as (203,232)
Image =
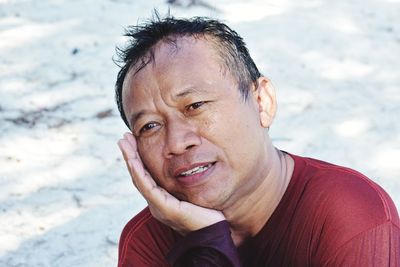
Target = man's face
(196,135)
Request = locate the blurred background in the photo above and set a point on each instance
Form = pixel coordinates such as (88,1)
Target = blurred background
(64,192)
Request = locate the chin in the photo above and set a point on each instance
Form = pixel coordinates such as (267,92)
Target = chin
(210,202)
(211,198)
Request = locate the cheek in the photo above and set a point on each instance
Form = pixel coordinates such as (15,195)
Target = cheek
(236,134)
(223,127)
(208,126)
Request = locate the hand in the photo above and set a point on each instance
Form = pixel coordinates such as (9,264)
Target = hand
(182,216)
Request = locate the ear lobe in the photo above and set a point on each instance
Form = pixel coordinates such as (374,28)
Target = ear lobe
(266,100)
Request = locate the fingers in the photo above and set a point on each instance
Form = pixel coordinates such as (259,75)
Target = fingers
(140,177)
(128,147)
(143,181)
(131,139)
(130,154)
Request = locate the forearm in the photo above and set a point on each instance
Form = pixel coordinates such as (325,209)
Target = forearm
(209,246)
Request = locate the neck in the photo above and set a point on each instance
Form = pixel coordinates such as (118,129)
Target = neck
(248,214)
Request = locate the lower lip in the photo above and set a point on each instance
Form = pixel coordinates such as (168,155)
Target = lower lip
(197,178)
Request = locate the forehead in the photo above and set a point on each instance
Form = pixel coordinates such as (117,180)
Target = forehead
(177,47)
(180,57)
(184,49)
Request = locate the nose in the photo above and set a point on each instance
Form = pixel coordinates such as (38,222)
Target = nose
(181,136)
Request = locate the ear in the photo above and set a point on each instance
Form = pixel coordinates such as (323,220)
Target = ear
(264,94)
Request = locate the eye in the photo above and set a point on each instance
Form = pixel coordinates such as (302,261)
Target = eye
(195,105)
(147,127)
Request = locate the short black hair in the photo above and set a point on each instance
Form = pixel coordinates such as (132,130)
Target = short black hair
(143,37)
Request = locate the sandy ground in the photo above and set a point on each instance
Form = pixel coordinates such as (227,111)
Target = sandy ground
(64,192)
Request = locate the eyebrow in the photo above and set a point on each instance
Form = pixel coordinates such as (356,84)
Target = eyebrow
(188,91)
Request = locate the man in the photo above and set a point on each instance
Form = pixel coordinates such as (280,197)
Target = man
(218,192)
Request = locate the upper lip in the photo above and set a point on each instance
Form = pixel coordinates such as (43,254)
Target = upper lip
(186,168)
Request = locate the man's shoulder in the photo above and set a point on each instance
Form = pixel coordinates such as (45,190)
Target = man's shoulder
(337,206)
(144,239)
(347,193)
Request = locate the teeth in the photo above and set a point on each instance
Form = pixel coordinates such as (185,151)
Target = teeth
(196,170)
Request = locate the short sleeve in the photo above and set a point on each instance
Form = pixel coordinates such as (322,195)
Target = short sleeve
(379,246)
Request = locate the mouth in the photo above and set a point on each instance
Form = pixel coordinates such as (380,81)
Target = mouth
(195,175)
(197,169)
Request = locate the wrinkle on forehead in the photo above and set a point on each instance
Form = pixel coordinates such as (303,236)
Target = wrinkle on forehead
(171,45)
(162,53)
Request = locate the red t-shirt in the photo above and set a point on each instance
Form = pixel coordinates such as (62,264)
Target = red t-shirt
(328,216)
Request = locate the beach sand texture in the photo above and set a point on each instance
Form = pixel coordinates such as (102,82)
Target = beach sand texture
(65,194)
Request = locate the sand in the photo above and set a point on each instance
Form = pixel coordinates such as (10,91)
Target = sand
(65,194)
